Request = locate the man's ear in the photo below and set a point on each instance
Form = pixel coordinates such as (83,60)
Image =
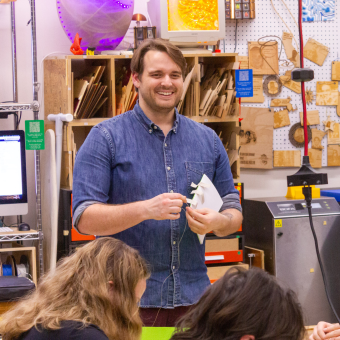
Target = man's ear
(248,337)
(135,79)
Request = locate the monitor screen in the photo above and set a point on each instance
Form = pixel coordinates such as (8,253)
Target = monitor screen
(13,183)
(189,15)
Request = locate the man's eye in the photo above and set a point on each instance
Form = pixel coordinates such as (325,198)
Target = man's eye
(156,75)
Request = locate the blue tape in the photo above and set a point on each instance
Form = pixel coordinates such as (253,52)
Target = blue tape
(7,270)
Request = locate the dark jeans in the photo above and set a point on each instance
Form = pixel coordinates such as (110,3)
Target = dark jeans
(161,317)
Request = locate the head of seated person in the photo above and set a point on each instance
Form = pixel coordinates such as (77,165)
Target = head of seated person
(100,284)
(244,305)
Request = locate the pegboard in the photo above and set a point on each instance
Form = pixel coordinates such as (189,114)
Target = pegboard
(267,22)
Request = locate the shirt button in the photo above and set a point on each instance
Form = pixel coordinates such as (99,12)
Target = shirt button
(174,242)
(165,145)
(155,127)
(168,168)
(173,267)
(171,191)
(150,130)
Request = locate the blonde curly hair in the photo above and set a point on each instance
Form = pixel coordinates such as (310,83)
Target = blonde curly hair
(79,290)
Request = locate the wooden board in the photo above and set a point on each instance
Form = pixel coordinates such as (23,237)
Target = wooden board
(258,96)
(49,203)
(313,117)
(214,273)
(255,261)
(287,158)
(6,306)
(334,136)
(258,63)
(315,158)
(317,136)
(338,107)
(289,83)
(327,93)
(55,87)
(257,145)
(315,51)
(291,52)
(222,244)
(244,62)
(336,70)
(281,118)
(333,155)
(29,252)
(278,102)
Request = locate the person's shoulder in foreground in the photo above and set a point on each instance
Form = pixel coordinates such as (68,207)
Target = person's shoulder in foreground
(69,330)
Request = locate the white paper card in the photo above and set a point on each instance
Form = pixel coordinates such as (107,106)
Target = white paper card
(210,198)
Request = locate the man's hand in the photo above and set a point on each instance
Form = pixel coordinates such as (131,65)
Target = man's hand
(203,221)
(325,330)
(165,206)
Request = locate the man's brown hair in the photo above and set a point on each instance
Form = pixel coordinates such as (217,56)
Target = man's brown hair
(137,62)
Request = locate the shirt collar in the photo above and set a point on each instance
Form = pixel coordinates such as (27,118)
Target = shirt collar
(151,126)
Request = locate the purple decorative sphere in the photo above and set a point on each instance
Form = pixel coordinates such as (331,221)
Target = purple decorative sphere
(101,23)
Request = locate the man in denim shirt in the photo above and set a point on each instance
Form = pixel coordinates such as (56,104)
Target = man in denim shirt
(132,176)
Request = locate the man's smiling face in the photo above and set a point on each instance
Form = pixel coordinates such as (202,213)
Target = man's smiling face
(160,86)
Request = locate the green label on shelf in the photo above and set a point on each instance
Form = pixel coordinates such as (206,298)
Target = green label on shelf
(34,135)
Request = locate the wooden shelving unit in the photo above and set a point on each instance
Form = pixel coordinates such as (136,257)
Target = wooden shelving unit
(59,73)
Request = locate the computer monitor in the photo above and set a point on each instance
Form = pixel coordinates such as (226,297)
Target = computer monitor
(188,23)
(13,181)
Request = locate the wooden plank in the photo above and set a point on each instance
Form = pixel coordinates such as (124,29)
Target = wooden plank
(258,96)
(327,93)
(56,95)
(221,244)
(334,136)
(214,273)
(315,158)
(317,136)
(281,118)
(256,138)
(257,260)
(244,62)
(313,117)
(30,252)
(6,306)
(258,63)
(315,51)
(333,155)
(287,158)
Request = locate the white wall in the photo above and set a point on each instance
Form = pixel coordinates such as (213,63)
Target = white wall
(51,38)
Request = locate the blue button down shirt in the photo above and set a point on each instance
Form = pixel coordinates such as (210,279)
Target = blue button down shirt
(128,159)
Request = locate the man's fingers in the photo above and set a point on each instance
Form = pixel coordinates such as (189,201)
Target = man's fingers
(195,226)
(334,334)
(173,217)
(175,196)
(195,214)
(177,203)
(330,327)
(175,210)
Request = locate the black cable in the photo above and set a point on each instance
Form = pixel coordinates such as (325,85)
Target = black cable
(308,196)
(235,37)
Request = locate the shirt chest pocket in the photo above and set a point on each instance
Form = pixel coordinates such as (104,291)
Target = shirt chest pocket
(195,171)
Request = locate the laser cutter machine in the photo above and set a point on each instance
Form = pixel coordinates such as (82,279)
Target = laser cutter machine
(280,227)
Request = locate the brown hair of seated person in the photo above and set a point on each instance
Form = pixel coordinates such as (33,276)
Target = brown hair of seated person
(244,305)
(95,285)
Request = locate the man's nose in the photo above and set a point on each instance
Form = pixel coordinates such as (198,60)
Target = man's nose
(166,81)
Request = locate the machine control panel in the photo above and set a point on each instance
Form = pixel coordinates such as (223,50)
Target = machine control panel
(297,208)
